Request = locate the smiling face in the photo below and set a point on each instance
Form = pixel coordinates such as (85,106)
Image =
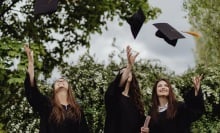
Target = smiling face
(60,84)
(162,89)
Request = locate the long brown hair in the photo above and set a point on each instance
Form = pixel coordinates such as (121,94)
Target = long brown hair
(135,94)
(172,102)
(57,115)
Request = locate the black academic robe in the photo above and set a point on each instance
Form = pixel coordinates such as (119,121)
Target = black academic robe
(187,112)
(122,116)
(43,106)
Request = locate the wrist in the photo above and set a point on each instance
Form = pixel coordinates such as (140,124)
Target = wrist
(196,92)
(129,66)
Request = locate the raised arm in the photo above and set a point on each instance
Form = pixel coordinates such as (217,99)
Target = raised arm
(125,72)
(34,97)
(116,86)
(194,100)
(30,69)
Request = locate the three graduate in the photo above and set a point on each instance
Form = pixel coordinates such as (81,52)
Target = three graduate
(123,99)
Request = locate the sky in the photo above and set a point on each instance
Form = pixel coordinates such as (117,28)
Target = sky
(177,59)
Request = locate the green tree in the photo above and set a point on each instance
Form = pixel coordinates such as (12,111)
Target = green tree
(73,23)
(12,68)
(90,80)
(204,17)
(68,28)
(211,89)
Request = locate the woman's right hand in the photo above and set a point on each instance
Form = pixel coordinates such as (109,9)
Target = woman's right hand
(131,58)
(145,130)
(30,63)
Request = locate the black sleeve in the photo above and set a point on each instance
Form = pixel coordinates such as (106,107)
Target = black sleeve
(83,124)
(112,92)
(34,97)
(194,105)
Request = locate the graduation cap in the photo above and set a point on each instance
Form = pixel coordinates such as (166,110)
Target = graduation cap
(45,6)
(136,21)
(168,33)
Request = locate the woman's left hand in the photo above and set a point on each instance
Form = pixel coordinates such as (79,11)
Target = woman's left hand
(197,83)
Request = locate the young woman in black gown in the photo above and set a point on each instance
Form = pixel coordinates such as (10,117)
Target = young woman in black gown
(58,114)
(171,116)
(124,107)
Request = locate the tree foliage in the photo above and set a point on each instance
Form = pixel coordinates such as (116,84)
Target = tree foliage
(204,17)
(90,80)
(69,27)
(75,21)
(12,68)
(211,89)
(52,38)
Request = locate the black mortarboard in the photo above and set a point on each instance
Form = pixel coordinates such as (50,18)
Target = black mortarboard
(45,6)
(136,21)
(168,33)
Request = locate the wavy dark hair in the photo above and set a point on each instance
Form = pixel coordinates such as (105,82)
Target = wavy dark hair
(135,94)
(57,115)
(172,102)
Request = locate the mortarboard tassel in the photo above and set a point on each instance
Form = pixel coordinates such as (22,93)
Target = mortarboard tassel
(195,34)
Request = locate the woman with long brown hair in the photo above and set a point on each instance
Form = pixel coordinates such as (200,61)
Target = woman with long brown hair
(124,107)
(59,114)
(171,116)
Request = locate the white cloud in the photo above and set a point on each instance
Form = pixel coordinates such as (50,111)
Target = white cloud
(177,59)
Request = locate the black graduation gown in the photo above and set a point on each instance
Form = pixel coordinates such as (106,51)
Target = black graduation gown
(122,115)
(42,105)
(187,112)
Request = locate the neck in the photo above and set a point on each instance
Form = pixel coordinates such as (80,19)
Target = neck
(126,90)
(163,101)
(62,97)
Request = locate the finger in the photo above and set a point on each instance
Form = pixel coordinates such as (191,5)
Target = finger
(26,48)
(196,79)
(127,48)
(142,129)
(201,76)
(136,55)
(32,55)
(28,51)
(129,55)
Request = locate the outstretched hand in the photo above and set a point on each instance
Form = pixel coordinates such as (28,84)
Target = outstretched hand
(131,58)
(127,71)
(30,62)
(29,53)
(197,83)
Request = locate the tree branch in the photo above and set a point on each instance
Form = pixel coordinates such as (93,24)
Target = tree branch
(9,7)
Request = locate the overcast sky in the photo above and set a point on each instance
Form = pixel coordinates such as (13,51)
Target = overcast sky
(177,59)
